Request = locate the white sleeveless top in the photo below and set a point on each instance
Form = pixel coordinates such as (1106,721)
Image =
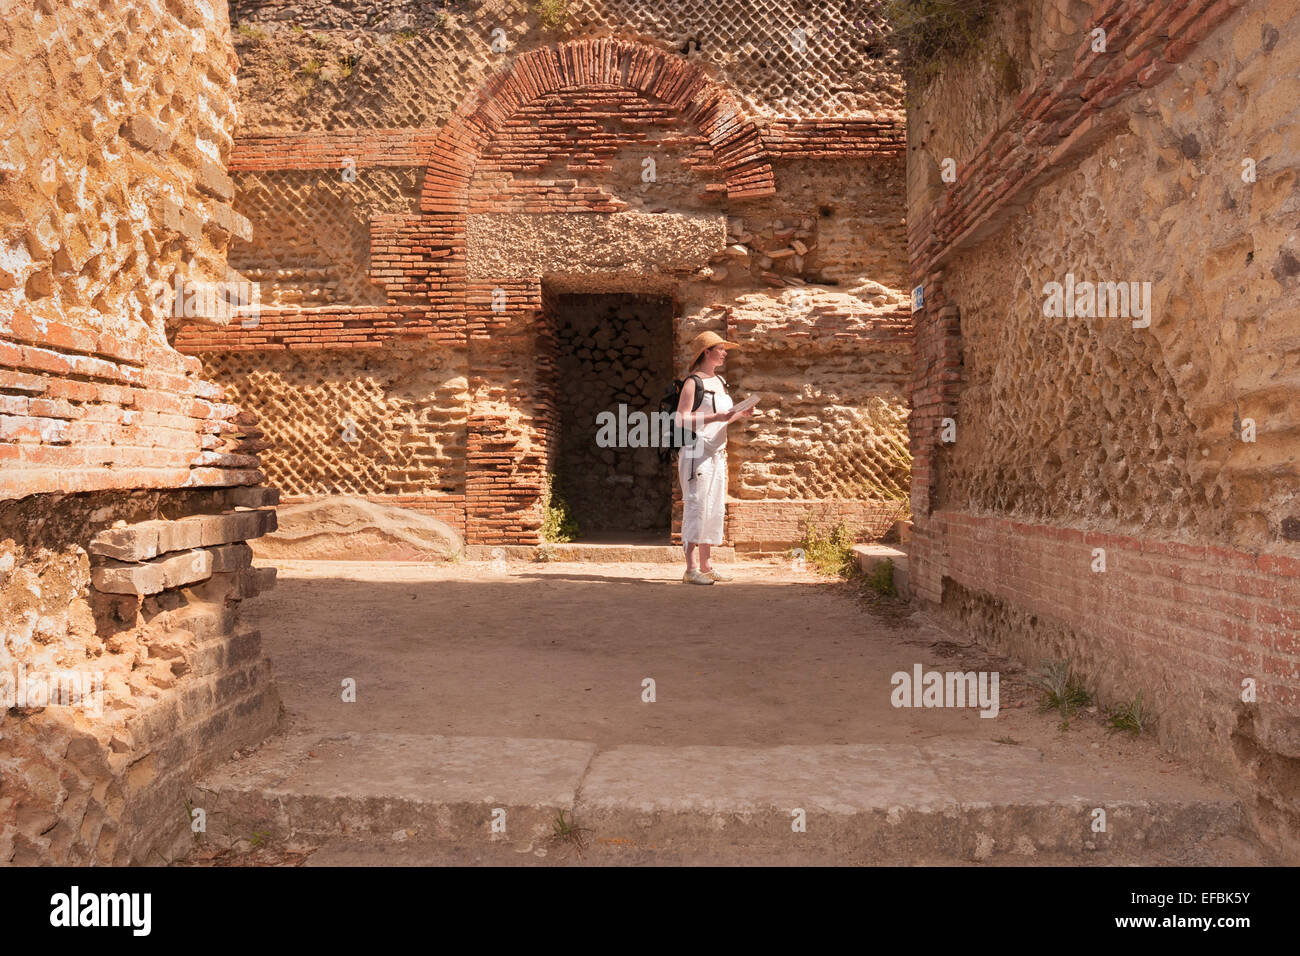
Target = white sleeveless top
(714,435)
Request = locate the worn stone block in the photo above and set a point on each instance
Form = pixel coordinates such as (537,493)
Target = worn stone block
(151,577)
(231,557)
(147,133)
(149,539)
(212,179)
(132,543)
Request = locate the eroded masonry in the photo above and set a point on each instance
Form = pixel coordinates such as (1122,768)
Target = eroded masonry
(472,226)
(1116,488)
(427,204)
(446,215)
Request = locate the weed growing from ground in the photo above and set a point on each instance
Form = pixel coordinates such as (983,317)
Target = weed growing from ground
(558,524)
(882,579)
(1062,689)
(1130,718)
(831,551)
(566,831)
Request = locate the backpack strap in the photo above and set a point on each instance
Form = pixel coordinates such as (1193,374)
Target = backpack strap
(695,407)
(699,391)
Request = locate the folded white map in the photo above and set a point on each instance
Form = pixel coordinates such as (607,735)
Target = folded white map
(746,404)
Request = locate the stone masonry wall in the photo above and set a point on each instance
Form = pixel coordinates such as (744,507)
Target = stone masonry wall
(127,484)
(99,216)
(1167,445)
(126,673)
(583,166)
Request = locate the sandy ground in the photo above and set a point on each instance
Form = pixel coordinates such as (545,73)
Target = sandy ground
(561,651)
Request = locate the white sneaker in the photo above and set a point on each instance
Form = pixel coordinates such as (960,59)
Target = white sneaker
(716,575)
(696,577)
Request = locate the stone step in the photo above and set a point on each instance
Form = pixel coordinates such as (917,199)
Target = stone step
(392,787)
(955,799)
(945,800)
(869,557)
(601,553)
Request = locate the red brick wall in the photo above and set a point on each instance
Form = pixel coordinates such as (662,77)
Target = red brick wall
(1182,624)
(827,138)
(84,410)
(579,133)
(1218,613)
(329,149)
(802,138)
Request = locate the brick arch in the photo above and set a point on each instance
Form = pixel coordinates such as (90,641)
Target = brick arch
(736,141)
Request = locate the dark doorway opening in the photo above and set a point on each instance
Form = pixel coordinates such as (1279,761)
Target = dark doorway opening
(614,350)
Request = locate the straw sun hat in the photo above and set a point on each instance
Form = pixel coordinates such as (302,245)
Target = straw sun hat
(706,340)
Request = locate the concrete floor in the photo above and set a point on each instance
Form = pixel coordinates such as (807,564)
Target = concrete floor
(524,686)
(560,651)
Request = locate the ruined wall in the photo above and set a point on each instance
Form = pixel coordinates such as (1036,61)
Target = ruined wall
(1165,442)
(124,504)
(718,152)
(126,673)
(355,423)
(830,359)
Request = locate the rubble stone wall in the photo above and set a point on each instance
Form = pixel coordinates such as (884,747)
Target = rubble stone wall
(127,482)
(1166,444)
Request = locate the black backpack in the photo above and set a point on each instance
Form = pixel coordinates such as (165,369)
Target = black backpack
(668,406)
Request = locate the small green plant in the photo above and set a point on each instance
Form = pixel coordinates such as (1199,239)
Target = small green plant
(565,831)
(1009,741)
(404,36)
(321,40)
(1062,689)
(882,578)
(311,68)
(1131,718)
(296,28)
(552,13)
(558,524)
(252,31)
(347,64)
(829,552)
(545,552)
(258,840)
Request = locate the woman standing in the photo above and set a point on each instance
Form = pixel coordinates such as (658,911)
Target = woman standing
(702,466)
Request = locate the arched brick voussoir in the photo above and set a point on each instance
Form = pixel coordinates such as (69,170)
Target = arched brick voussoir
(736,141)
